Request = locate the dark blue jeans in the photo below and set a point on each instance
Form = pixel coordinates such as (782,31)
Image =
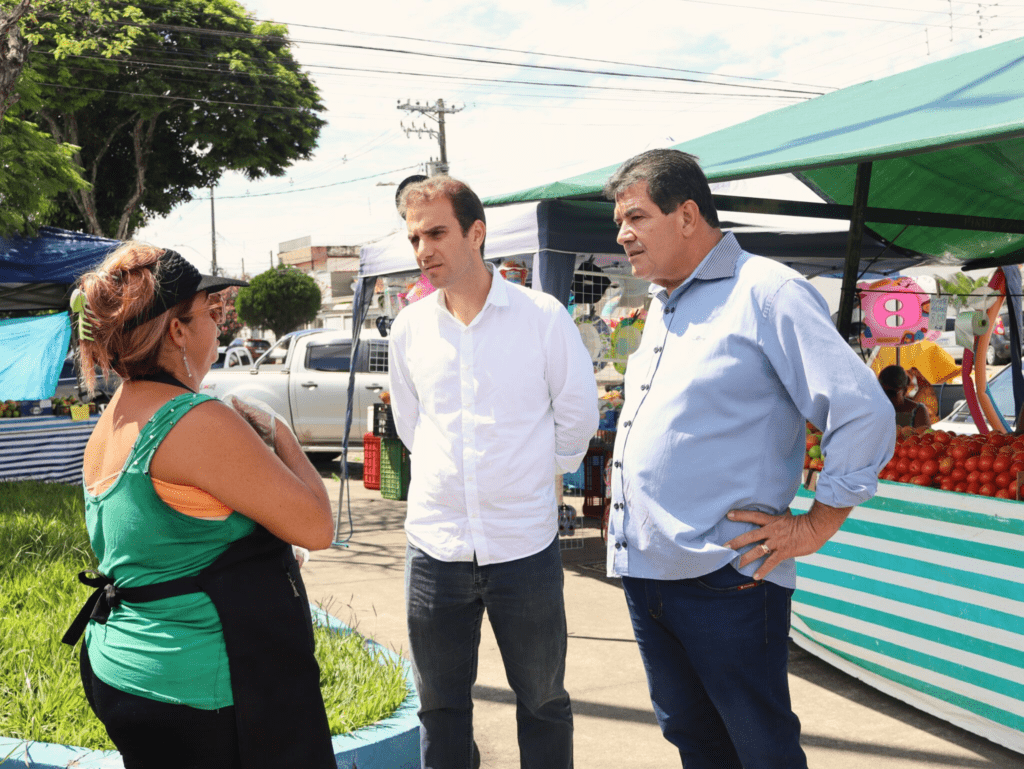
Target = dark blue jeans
(716,650)
(445,604)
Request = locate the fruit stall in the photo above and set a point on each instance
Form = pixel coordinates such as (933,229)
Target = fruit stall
(45,447)
(921,592)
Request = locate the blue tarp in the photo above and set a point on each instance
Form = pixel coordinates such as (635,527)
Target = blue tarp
(33,352)
(37,273)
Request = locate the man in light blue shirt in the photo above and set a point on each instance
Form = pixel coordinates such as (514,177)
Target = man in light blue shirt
(737,352)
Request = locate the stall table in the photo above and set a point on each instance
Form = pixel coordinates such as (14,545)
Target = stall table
(43,448)
(921,595)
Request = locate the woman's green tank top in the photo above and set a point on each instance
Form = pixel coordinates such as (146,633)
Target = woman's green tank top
(170,650)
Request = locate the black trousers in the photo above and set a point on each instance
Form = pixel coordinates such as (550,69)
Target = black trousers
(158,735)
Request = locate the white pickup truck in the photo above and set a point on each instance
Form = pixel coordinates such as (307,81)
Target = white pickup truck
(305,377)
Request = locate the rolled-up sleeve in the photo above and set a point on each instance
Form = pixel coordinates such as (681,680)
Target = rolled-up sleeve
(834,390)
(573,390)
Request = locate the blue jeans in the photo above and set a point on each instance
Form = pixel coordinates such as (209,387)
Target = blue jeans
(716,649)
(445,604)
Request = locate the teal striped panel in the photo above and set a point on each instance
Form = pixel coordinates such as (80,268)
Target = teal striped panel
(968,579)
(954,608)
(998,715)
(955,641)
(937,542)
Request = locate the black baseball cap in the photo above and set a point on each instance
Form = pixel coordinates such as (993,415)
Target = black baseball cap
(177,280)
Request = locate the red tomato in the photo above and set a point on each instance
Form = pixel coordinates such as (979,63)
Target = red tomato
(941,436)
(961,487)
(987,490)
(921,480)
(946,465)
(1003,480)
(971,464)
(974,477)
(930,468)
(959,452)
(986,476)
(958,474)
(948,484)
(914,467)
(1001,463)
(972,487)
(985,462)
(1004,494)
(926,452)
(1016,467)
(996,439)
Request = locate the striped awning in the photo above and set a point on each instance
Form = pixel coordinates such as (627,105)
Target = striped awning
(921,595)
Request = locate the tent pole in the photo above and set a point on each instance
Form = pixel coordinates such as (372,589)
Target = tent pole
(860,203)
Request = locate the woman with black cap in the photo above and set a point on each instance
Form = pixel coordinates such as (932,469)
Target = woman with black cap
(199,630)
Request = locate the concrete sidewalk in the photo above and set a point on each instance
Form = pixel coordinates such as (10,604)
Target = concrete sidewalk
(846,724)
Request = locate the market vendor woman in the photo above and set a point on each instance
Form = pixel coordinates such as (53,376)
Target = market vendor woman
(895,382)
(198,644)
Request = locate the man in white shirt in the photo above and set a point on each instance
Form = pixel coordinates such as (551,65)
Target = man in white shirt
(494,393)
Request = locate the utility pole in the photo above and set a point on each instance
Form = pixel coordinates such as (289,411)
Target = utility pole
(213,234)
(435,112)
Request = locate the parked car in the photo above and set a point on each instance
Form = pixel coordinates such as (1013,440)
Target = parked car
(230,357)
(998,345)
(1000,388)
(256,347)
(67,384)
(313,393)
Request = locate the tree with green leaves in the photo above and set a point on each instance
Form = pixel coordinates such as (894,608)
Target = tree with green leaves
(229,329)
(202,89)
(36,168)
(281,299)
(960,287)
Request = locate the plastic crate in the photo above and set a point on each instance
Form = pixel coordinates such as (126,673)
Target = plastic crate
(395,469)
(371,461)
(383,421)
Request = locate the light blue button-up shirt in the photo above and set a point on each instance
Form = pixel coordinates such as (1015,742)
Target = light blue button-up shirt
(730,366)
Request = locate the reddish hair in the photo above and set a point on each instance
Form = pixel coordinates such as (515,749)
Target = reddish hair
(123,287)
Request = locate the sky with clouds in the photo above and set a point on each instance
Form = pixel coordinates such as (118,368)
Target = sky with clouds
(544,90)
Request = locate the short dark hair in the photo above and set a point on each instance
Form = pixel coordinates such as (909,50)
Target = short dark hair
(672,177)
(465,203)
(893,378)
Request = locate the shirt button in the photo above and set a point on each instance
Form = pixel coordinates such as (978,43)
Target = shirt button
(657,349)
(645,387)
(618,546)
(618,464)
(627,423)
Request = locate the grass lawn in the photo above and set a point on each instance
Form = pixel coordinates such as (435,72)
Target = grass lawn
(43,546)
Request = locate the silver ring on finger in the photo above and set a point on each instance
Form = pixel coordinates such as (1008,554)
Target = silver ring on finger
(765,549)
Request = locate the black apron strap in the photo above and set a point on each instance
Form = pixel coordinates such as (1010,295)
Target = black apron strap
(107,596)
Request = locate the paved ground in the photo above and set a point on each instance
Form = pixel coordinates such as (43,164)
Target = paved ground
(846,724)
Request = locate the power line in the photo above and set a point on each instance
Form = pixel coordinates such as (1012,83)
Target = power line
(826,15)
(498,48)
(322,186)
(539,53)
(214,33)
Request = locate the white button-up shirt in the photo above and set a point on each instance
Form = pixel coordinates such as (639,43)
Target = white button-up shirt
(490,411)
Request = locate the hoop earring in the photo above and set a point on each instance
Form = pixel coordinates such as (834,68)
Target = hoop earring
(188,371)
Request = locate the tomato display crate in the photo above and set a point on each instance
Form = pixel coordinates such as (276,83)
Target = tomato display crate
(395,469)
(383,421)
(595,491)
(371,461)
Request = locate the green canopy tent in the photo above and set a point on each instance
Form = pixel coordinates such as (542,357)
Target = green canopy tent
(932,158)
